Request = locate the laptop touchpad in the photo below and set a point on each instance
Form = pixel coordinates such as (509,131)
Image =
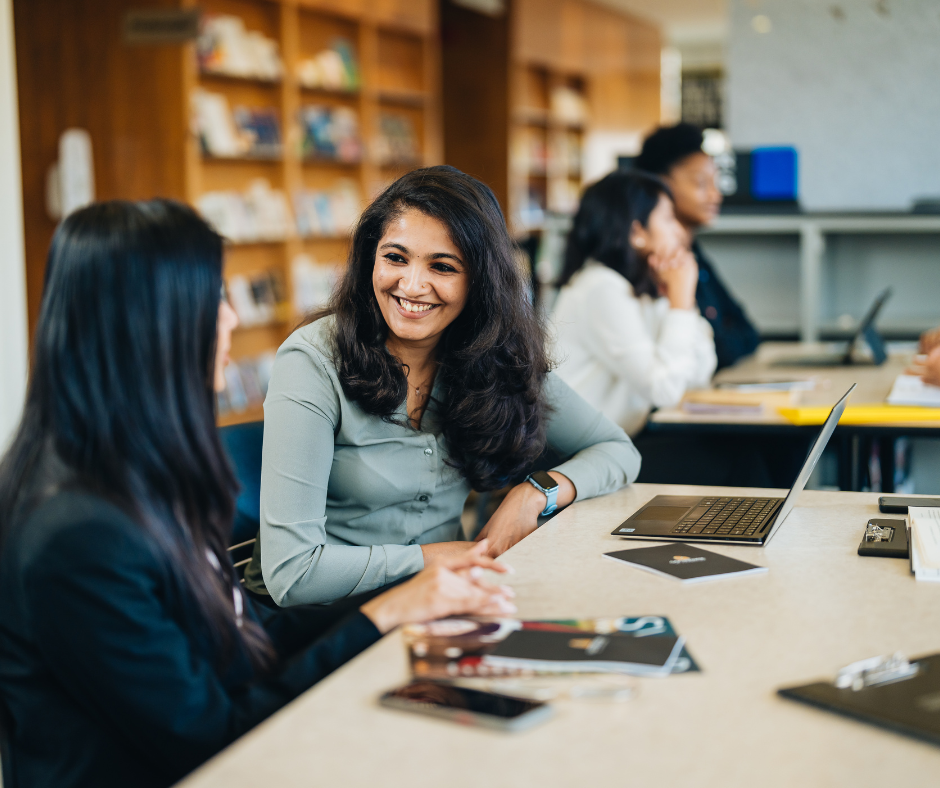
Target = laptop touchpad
(662,513)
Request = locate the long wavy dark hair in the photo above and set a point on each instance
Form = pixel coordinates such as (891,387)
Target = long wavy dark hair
(491,360)
(601,228)
(120,401)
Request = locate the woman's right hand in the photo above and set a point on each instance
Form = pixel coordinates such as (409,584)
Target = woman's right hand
(929,340)
(443,551)
(677,274)
(452,586)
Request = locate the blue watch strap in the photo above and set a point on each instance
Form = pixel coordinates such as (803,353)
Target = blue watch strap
(551,493)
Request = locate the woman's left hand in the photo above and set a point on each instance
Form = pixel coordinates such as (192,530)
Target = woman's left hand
(516,517)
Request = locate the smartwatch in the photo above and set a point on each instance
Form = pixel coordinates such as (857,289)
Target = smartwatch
(541,481)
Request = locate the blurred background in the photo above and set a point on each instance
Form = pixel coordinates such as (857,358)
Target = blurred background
(280,119)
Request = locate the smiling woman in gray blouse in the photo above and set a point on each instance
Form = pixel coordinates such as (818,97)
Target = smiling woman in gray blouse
(425,378)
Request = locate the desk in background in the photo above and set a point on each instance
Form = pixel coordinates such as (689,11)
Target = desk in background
(820,607)
(821,265)
(874,384)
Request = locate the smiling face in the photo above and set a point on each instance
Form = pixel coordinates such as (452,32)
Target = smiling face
(420,279)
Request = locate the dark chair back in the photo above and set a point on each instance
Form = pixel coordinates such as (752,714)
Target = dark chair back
(6,756)
(243,444)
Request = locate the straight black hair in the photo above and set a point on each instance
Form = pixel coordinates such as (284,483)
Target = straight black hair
(601,227)
(491,360)
(120,400)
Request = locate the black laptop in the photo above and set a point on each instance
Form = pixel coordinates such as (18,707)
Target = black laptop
(866,330)
(743,520)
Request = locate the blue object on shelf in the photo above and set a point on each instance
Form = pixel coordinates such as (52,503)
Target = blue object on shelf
(774,173)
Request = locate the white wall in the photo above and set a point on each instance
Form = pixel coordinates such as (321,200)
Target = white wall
(13,334)
(853,84)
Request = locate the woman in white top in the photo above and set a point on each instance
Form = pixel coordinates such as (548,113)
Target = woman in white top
(628,335)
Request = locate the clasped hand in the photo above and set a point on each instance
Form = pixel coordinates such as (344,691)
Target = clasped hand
(451,585)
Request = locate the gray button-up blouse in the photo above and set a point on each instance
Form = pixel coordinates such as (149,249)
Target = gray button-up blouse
(348,498)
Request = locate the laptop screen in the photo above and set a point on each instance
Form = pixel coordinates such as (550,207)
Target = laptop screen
(811,459)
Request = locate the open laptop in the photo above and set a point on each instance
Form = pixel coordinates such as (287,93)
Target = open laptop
(866,330)
(744,520)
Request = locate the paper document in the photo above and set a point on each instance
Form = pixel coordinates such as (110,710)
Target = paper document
(771,385)
(925,542)
(911,390)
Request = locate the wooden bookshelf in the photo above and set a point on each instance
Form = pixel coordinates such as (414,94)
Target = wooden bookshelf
(76,70)
(550,54)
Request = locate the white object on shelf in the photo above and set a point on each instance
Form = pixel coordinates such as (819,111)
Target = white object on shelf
(312,283)
(911,390)
(226,47)
(70,182)
(259,214)
(215,126)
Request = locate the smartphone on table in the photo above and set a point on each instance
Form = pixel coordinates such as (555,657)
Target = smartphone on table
(468,706)
(897,504)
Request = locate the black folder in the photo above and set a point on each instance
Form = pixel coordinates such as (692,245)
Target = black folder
(910,706)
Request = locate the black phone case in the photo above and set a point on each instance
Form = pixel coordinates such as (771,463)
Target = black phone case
(896,548)
(897,504)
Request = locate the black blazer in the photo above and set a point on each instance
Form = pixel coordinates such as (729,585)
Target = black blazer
(735,335)
(102,670)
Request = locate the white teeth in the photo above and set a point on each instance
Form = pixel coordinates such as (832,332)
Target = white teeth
(410,307)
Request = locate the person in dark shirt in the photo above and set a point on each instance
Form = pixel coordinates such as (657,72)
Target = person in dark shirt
(675,154)
(128,652)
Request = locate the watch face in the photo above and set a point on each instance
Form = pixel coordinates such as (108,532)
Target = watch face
(544,480)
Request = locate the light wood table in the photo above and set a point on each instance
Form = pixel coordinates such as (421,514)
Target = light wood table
(873,385)
(820,607)
(850,440)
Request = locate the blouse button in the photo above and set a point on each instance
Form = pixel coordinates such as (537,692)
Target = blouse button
(429,452)
(424,498)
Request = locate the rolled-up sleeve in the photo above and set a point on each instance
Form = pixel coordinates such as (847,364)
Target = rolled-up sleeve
(301,416)
(602,456)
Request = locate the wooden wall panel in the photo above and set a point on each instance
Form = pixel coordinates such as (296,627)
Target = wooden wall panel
(537,34)
(476,71)
(76,72)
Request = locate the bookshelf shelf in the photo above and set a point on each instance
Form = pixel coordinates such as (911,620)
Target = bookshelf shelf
(224,77)
(255,159)
(408,98)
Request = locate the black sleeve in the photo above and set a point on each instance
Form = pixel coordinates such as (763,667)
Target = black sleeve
(97,600)
(735,335)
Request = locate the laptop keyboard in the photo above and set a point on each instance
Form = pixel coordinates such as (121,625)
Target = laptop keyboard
(728,517)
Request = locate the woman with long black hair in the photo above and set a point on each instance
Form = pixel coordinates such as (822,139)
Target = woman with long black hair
(426,376)
(128,652)
(627,331)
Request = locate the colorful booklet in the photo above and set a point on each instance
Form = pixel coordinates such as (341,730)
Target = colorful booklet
(685,562)
(458,647)
(581,652)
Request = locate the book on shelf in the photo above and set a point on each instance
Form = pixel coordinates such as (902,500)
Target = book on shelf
(328,212)
(333,68)
(246,384)
(311,283)
(259,299)
(396,142)
(260,213)
(330,133)
(225,47)
(245,132)
(568,106)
